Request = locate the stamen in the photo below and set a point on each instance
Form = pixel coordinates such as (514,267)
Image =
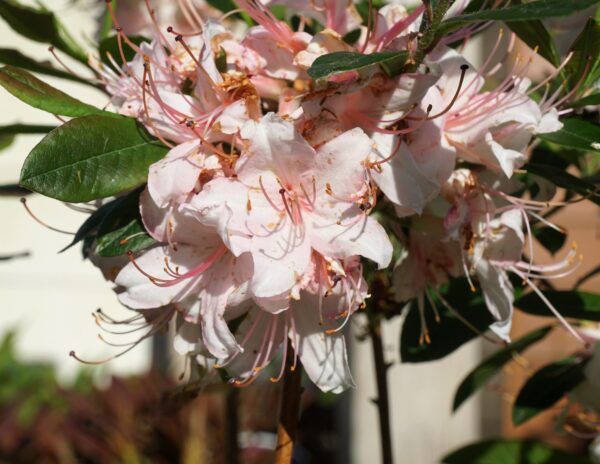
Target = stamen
(549,305)
(39,221)
(463,70)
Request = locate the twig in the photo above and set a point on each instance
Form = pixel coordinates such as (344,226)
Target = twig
(290,407)
(382,402)
(232,451)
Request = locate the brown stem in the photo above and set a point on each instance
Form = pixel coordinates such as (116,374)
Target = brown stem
(232,452)
(382,402)
(290,408)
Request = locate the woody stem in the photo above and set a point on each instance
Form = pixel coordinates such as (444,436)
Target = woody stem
(382,401)
(290,408)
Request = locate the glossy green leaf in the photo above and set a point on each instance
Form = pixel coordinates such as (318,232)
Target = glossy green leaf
(547,386)
(450,333)
(576,133)
(563,179)
(578,305)
(501,451)
(492,365)
(91,157)
(538,9)
(16,58)
(34,92)
(585,59)
(40,25)
(331,64)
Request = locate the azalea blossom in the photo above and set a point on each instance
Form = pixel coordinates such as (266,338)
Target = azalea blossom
(289,199)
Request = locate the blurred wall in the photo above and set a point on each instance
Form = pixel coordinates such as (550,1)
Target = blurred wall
(49,297)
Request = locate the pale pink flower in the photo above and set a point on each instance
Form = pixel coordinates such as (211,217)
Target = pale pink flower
(492,128)
(289,199)
(313,324)
(194,271)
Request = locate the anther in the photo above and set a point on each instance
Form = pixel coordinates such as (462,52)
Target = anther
(170,29)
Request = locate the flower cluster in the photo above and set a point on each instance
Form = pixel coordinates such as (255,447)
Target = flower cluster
(278,186)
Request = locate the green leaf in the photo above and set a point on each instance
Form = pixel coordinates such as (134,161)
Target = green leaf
(40,25)
(110,45)
(16,58)
(132,237)
(90,225)
(578,305)
(563,179)
(535,34)
(122,230)
(547,386)
(34,92)
(223,5)
(331,64)
(576,133)
(91,157)
(501,451)
(590,100)
(450,332)
(586,54)
(538,9)
(492,365)
(550,238)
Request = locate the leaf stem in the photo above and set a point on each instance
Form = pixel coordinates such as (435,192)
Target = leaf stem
(290,408)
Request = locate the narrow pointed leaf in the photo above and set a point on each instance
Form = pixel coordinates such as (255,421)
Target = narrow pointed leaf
(34,92)
(479,376)
(91,157)
(585,59)
(577,305)
(331,64)
(563,179)
(546,387)
(538,9)
(590,100)
(576,133)
(535,34)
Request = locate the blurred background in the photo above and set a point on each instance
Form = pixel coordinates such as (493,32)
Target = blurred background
(54,409)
